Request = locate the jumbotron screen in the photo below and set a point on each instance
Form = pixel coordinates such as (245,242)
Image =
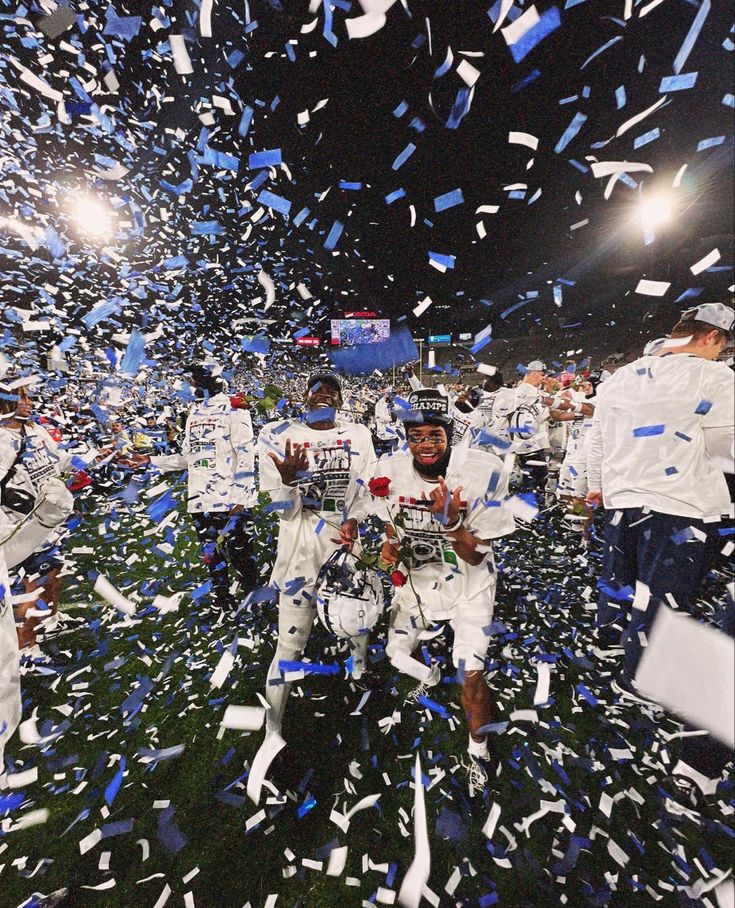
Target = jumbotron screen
(351,331)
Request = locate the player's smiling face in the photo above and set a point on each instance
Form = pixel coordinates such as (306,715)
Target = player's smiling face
(427,444)
(323,395)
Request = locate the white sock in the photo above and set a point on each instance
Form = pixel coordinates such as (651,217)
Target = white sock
(478,749)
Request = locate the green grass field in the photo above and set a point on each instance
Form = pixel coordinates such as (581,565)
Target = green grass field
(180,822)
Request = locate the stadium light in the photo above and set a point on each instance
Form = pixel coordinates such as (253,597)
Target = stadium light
(93,217)
(655,211)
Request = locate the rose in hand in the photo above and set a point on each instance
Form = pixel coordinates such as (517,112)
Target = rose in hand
(379,486)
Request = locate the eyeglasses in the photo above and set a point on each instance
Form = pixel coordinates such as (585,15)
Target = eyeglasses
(435,438)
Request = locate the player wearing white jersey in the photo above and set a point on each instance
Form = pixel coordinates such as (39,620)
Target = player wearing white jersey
(18,540)
(315,473)
(444,505)
(29,458)
(218,453)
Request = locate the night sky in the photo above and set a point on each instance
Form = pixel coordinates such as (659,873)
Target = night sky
(185,253)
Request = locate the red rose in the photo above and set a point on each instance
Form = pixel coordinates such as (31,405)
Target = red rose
(379,486)
(79,481)
(398,578)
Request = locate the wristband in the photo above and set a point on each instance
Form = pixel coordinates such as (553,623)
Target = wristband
(457,525)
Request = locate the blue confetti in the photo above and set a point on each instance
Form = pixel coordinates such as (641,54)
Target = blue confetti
(125,27)
(692,35)
(548,22)
(526,80)
(570,132)
(309,668)
(587,694)
(447,261)
(114,785)
(404,156)
(270,158)
(134,354)
(308,805)
(395,195)
(710,143)
(276,202)
(646,431)
(333,236)
(448,200)
(647,137)
(678,83)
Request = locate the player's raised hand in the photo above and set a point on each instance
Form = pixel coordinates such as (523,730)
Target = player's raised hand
(294,463)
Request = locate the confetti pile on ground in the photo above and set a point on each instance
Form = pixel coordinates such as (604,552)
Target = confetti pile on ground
(140,789)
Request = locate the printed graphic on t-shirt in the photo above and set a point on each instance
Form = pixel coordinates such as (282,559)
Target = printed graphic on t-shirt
(460,428)
(428,543)
(39,463)
(203,434)
(325,488)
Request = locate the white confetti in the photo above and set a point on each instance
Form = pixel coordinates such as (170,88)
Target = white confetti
(652,288)
(417,875)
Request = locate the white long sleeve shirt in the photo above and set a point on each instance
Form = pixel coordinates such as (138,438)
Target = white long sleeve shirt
(661,427)
(42,459)
(218,450)
(530,398)
(16,544)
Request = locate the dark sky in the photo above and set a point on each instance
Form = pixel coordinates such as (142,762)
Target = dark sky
(381,261)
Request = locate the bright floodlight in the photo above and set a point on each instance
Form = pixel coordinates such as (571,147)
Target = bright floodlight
(656,211)
(93,217)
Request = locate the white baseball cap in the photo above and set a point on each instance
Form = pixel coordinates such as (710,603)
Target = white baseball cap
(717,314)
(536,366)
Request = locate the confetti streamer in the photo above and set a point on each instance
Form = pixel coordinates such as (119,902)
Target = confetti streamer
(417,875)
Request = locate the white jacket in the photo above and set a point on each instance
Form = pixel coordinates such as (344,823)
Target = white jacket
(17,542)
(218,450)
(42,459)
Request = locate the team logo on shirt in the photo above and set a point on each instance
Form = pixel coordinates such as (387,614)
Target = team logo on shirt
(203,434)
(325,488)
(39,463)
(424,534)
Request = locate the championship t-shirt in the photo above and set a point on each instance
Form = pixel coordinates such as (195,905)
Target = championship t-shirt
(438,575)
(218,451)
(41,459)
(340,462)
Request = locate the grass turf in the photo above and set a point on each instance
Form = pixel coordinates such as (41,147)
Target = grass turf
(125,687)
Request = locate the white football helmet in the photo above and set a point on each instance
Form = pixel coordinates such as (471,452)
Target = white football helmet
(349,595)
